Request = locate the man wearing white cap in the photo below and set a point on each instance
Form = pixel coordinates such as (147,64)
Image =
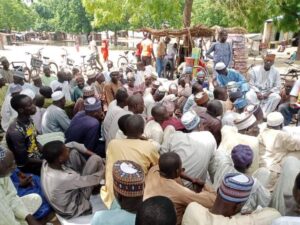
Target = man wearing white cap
(244,132)
(225,75)
(195,147)
(276,145)
(265,86)
(19,78)
(55,118)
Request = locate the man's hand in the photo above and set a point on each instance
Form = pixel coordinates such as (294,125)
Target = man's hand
(25,180)
(32,221)
(259,96)
(198,185)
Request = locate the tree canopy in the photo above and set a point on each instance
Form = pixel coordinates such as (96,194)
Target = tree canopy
(15,15)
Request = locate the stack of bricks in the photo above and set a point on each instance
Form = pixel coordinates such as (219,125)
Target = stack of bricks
(239,52)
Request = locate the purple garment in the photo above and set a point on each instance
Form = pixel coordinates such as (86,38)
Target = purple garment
(86,130)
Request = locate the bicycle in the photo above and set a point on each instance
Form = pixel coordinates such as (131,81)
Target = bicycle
(126,59)
(38,60)
(91,64)
(68,63)
(293,71)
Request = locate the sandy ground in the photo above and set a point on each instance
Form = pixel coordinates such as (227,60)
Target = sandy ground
(17,53)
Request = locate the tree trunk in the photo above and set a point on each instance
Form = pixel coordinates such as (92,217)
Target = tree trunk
(298,50)
(115,38)
(187,13)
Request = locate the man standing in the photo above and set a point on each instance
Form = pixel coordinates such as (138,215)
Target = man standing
(55,118)
(265,86)
(21,136)
(222,50)
(147,50)
(160,54)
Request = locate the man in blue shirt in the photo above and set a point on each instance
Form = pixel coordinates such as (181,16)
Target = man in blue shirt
(129,180)
(224,76)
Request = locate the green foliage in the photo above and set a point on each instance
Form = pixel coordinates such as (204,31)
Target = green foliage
(290,12)
(125,14)
(15,15)
(62,15)
(204,12)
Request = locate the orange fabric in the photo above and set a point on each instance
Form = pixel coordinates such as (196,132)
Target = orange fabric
(147,47)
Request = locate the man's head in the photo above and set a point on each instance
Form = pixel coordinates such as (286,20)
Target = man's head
(242,157)
(61,76)
(190,120)
(159,113)
(23,105)
(122,123)
(58,99)
(80,82)
(215,108)
(15,89)
(201,99)
(148,80)
(269,61)
(88,91)
(221,68)
(167,40)
(110,64)
(155,85)
(5,64)
(47,71)
(130,80)
(55,152)
(39,100)
(234,95)
(136,104)
(37,81)
(288,85)
(100,78)
(160,206)
(247,124)
(233,193)
(170,107)
(76,72)
(135,125)
(128,183)
(7,162)
(92,107)
(275,120)
(296,189)
(223,35)
(46,91)
(220,93)
(173,89)
(122,97)
(196,88)
(240,104)
(19,77)
(91,76)
(159,94)
(114,75)
(200,77)
(170,165)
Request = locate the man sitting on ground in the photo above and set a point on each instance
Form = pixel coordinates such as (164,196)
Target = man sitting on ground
(68,179)
(162,180)
(55,118)
(134,148)
(129,181)
(232,195)
(21,136)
